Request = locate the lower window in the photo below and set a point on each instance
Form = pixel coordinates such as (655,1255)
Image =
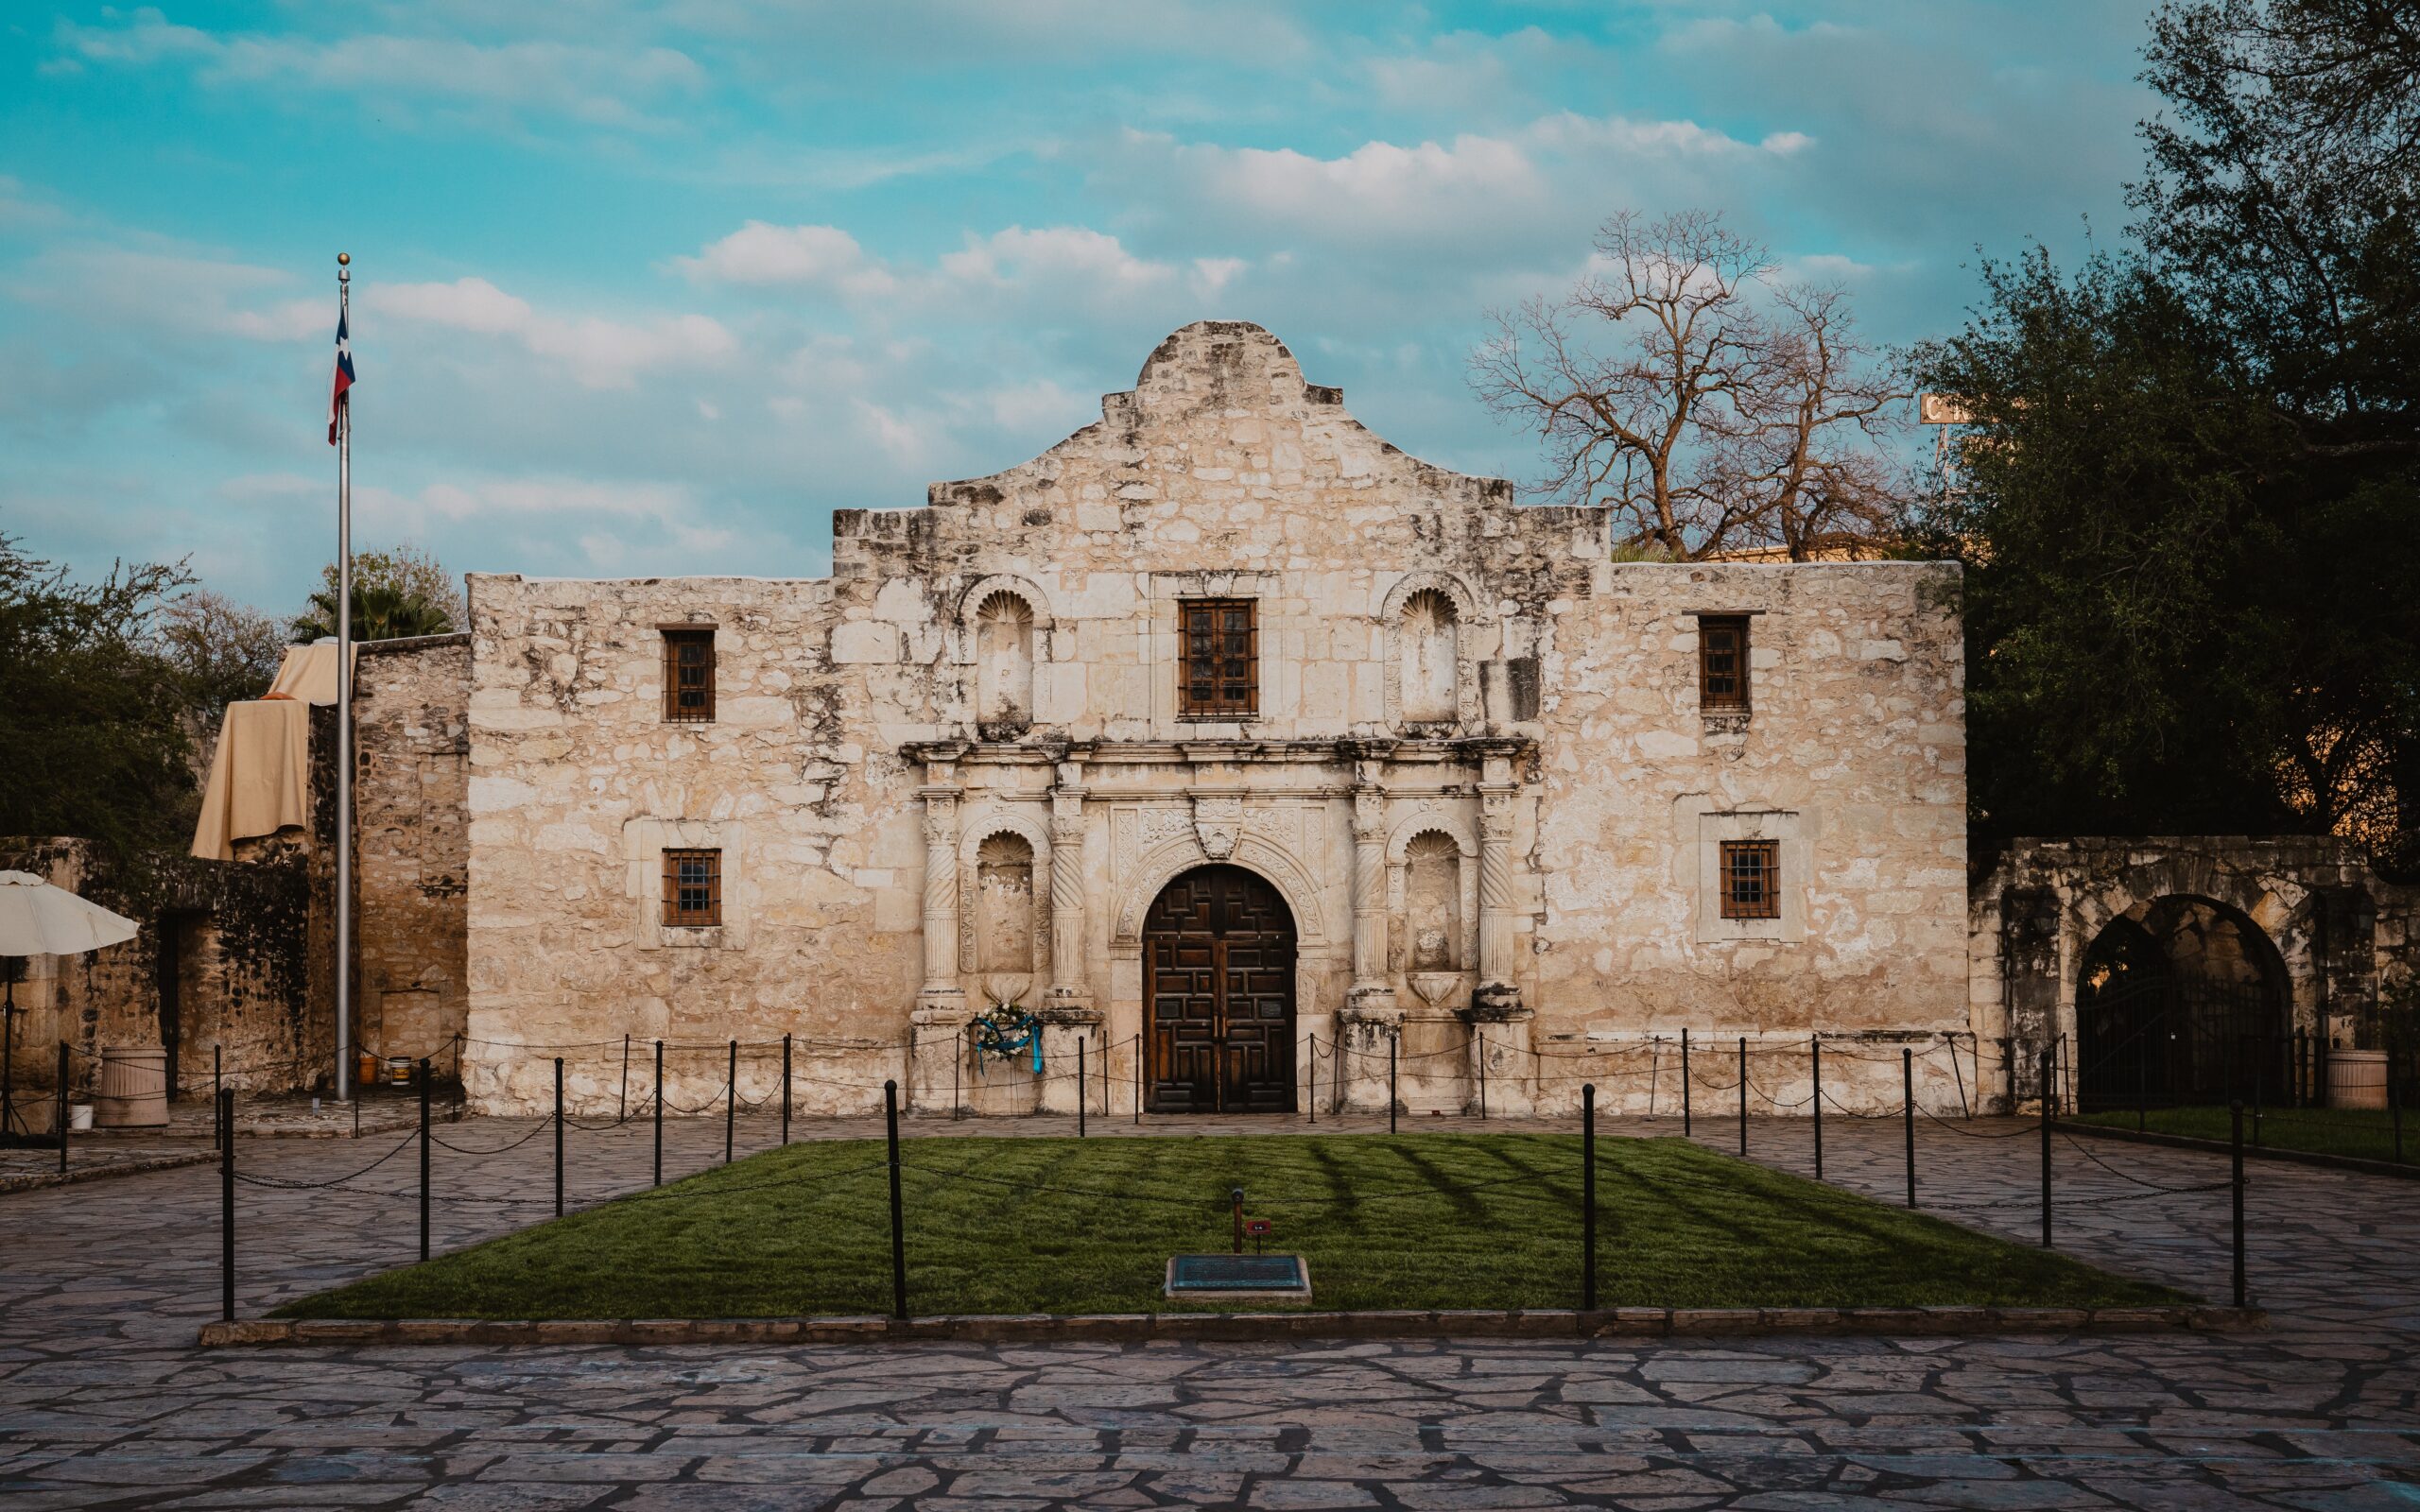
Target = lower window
(1751,879)
(693,889)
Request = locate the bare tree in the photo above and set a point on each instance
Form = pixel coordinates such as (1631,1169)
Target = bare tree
(1707,422)
(1807,464)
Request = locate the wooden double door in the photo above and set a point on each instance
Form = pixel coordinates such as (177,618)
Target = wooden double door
(1219,995)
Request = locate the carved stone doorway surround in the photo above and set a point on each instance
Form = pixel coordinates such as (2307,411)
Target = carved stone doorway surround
(1111,824)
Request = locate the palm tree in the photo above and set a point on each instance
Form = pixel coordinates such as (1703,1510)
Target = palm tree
(380,613)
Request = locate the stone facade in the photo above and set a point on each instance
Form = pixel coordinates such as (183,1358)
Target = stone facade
(219,973)
(2323,933)
(411,732)
(960,770)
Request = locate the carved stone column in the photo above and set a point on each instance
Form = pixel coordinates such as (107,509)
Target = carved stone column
(1497,990)
(1067,935)
(1067,1013)
(937,1027)
(1371,988)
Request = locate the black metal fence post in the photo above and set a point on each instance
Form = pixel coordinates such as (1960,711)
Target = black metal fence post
(2049,1108)
(731,1102)
(1743,1095)
(2142,1080)
(1907,1113)
(217,1085)
(659,1113)
(2235,1190)
(1482,1077)
(1312,1060)
(898,1217)
(1138,1080)
(424,1157)
(1685,1082)
(62,1105)
(622,1106)
(224,1109)
(1394,1043)
(1815,1058)
(558,1136)
(786,1090)
(1588,1197)
(1083,1081)
(2394,1099)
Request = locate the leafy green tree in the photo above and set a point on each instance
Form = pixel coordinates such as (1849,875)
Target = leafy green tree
(2189,502)
(92,710)
(395,595)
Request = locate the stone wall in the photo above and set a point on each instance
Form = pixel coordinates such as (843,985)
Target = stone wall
(2339,930)
(225,940)
(1477,775)
(412,845)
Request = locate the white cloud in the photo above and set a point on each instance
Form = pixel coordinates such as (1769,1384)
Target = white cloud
(822,257)
(597,353)
(597,85)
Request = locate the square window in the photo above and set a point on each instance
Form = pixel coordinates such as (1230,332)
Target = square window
(693,889)
(1722,664)
(1220,670)
(689,674)
(1751,879)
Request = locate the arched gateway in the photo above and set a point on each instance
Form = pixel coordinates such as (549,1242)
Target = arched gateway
(1219,995)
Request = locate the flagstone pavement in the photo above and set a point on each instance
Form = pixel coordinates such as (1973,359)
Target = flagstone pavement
(105,1402)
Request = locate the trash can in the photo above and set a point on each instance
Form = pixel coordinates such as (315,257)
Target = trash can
(134,1088)
(2356,1078)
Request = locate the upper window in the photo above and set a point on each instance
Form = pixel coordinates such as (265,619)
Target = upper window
(693,889)
(689,673)
(1722,664)
(1221,659)
(1751,879)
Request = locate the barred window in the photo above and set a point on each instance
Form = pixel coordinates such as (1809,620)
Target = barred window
(1222,667)
(1722,663)
(689,673)
(1751,879)
(693,889)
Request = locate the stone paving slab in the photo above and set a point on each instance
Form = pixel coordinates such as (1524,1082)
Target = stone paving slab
(105,1401)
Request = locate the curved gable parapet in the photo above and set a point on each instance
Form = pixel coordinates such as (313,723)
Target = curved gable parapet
(1235,373)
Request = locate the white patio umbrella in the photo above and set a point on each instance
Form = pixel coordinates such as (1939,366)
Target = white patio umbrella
(37,918)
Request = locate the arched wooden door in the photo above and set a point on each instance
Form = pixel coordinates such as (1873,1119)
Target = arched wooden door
(1219,995)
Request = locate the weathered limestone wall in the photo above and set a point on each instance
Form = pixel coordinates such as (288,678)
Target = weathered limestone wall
(1476,776)
(218,965)
(2340,931)
(411,724)
(1853,755)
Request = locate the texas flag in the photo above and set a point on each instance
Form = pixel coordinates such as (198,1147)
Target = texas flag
(344,378)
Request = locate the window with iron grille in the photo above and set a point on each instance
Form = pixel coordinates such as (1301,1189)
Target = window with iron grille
(1722,664)
(693,889)
(689,673)
(1221,665)
(1752,878)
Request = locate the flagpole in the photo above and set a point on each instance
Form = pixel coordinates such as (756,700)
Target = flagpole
(344,710)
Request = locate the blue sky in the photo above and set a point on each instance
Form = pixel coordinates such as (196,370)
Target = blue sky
(654,285)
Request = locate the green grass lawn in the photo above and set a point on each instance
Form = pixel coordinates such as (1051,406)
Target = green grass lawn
(1086,1226)
(2321,1130)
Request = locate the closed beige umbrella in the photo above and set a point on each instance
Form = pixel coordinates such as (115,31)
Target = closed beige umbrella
(37,918)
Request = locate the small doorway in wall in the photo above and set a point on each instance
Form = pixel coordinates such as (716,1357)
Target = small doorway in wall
(1219,995)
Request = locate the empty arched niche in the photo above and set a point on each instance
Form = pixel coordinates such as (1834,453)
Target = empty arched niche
(1433,901)
(1427,658)
(1003,666)
(1004,922)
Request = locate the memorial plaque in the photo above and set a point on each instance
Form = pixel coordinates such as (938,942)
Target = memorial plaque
(1238,1276)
